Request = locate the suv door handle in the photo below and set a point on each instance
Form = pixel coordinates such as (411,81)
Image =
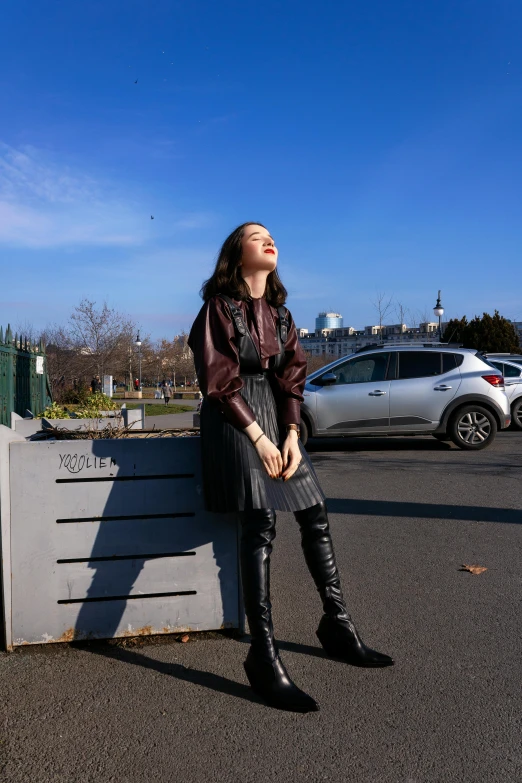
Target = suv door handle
(442,388)
(376,393)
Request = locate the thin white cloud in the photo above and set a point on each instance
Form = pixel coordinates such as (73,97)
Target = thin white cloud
(44,203)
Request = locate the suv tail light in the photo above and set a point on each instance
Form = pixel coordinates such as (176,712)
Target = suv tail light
(494,380)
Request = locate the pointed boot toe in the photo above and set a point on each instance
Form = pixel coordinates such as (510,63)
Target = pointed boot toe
(270,680)
(340,640)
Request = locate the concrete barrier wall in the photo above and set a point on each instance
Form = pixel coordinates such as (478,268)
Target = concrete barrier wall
(110,538)
(7,436)
(27,427)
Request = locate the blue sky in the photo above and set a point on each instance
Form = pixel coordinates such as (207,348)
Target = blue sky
(380,143)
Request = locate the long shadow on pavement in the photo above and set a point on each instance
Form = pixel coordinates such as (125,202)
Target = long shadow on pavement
(295,647)
(388,508)
(421,443)
(195,676)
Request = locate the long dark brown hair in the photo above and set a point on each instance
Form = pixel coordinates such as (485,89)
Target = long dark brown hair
(226,278)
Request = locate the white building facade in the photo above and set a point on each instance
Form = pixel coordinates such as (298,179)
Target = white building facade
(336,342)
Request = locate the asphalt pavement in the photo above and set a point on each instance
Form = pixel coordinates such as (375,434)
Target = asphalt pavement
(170,420)
(405,515)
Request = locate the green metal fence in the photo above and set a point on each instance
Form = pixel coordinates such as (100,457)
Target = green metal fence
(23,377)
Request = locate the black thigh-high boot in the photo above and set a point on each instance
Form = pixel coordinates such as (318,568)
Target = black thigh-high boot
(264,668)
(337,632)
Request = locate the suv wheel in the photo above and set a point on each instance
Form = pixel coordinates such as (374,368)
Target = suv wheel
(303,432)
(516,414)
(472,427)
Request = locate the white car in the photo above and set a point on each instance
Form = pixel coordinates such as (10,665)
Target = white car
(512,371)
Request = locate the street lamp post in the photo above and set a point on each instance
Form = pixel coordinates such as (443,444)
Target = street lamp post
(129,388)
(138,345)
(438,310)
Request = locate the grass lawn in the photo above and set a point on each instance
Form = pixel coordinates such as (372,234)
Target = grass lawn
(162,409)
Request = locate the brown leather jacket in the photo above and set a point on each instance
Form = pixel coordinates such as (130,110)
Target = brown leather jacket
(213,342)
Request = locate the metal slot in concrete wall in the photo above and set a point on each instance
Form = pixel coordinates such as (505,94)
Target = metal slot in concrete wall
(110,538)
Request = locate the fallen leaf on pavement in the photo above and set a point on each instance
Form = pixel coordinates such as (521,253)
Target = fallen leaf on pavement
(473,569)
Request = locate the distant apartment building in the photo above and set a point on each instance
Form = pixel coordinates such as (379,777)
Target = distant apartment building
(335,342)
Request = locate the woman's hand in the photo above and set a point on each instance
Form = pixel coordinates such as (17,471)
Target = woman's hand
(291,454)
(270,456)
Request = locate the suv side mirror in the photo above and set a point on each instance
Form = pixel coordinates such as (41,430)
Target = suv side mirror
(328,379)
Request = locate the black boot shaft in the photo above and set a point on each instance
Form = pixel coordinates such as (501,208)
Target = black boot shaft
(318,551)
(258,530)
(337,632)
(264,669)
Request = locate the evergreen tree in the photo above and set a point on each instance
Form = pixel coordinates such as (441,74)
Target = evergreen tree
(455,330)
(491,333)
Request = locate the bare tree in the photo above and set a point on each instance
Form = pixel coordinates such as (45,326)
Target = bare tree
(102,336)
(382,305)
(401,312)
(98,340)
(184,359)
(93,341)
(64,365)
(156,364)
(169,359)
(425,316)
(26,331)
(314,363)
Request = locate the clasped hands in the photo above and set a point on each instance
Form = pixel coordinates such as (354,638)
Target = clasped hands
(280,464)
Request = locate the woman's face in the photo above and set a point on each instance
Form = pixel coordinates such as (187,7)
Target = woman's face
(259,252)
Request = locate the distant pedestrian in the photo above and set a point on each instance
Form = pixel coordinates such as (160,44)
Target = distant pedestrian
(167,392)
(136,385)
(96,384)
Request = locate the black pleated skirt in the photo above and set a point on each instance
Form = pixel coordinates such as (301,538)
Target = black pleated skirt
(234,478)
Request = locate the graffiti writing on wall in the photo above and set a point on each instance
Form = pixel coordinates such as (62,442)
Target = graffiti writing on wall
(75,463)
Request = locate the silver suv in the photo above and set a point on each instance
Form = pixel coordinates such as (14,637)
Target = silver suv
(450,393)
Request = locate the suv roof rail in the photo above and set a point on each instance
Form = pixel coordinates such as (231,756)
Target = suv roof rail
(406,344)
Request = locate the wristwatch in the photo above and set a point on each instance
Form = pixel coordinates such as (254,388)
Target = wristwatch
(295,427)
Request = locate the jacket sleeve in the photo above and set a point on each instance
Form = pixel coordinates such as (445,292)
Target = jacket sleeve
(216,359)
(290,378)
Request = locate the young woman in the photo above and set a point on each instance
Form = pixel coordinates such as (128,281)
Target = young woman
(252,371)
